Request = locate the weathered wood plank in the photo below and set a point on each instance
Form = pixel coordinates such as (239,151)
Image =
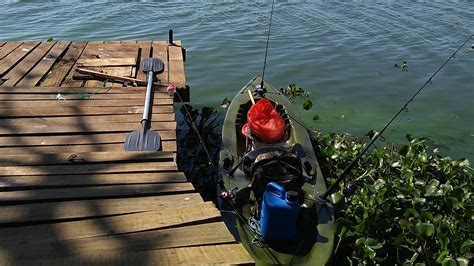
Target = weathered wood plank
(79,89)
(42,127)
(77,111)
(83,103)
(169,145)
(68,81)
(2,43)
(159,51)
(13,58)
(97,192)
(7,48)
(91,119)
(145,53)
(107,62)
(45,64)
(48,212)
(223,254)
(77,169)
(84,158)
(75,139)
(80,96)
(63,181)
(128,223)
(176,67)
(59,72)
(22,68)
(195,235)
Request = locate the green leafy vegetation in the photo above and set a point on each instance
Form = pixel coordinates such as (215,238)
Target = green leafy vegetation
(405,206)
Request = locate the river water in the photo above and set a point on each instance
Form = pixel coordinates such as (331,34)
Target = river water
(342,52)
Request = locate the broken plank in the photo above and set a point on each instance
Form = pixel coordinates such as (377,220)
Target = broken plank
(194,235)
(47,212)
(145,47)
(13,58)
(128,223)
(76,128)
(96,192)
(77,111)
(106,62)
(63,181)
(58,73)
(42,68)
(22,68)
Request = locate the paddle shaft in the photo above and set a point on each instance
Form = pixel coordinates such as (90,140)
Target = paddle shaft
(146,120)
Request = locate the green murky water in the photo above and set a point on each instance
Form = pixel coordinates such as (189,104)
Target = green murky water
(343,53)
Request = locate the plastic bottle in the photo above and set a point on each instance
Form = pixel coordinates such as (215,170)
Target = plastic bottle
(280,210)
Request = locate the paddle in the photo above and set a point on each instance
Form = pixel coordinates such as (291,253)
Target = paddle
(144,139)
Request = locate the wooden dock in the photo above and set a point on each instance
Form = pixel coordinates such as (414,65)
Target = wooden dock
(68,191)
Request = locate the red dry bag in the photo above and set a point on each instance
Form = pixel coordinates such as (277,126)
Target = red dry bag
(265,122)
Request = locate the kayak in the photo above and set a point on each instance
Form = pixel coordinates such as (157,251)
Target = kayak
(268,192)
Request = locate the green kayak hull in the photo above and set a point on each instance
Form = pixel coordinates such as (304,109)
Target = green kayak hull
(316,229)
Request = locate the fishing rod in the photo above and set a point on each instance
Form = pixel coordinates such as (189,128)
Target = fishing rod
(266,48)
(351,165)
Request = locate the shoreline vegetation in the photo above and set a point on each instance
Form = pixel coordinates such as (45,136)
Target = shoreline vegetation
(402,204)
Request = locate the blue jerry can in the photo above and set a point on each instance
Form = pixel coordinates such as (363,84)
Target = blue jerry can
(280,210)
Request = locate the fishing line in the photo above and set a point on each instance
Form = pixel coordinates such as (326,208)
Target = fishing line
(266,48)
(348,169)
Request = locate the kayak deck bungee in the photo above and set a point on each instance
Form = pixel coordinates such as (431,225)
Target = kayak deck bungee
(242,205)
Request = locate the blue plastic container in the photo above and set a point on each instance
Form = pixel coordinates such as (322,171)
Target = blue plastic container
(280,210)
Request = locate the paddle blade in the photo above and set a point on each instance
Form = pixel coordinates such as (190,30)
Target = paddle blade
(152,64)
(143,140)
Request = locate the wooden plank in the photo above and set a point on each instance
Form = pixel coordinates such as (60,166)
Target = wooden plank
(90,119)
(42,68)
(76,128)
(176,67)
(105,75)
(75,139)
(145,53)
(68,81)
(77,111)
(169,145)
(80,96)
(47,212)
(223,254)
(77,169)
(22,68)
(128,223)
(2,43)
(59,72)
(82,103)
(13,58)
(159,51)
(97,192)
(7,48)
(106,62)
(195,235)
(76,90)
(63,181)
(84,158)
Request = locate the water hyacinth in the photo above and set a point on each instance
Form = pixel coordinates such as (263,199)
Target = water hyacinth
(420,204)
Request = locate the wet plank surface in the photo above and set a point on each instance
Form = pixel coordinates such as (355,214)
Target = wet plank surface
(69,193)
